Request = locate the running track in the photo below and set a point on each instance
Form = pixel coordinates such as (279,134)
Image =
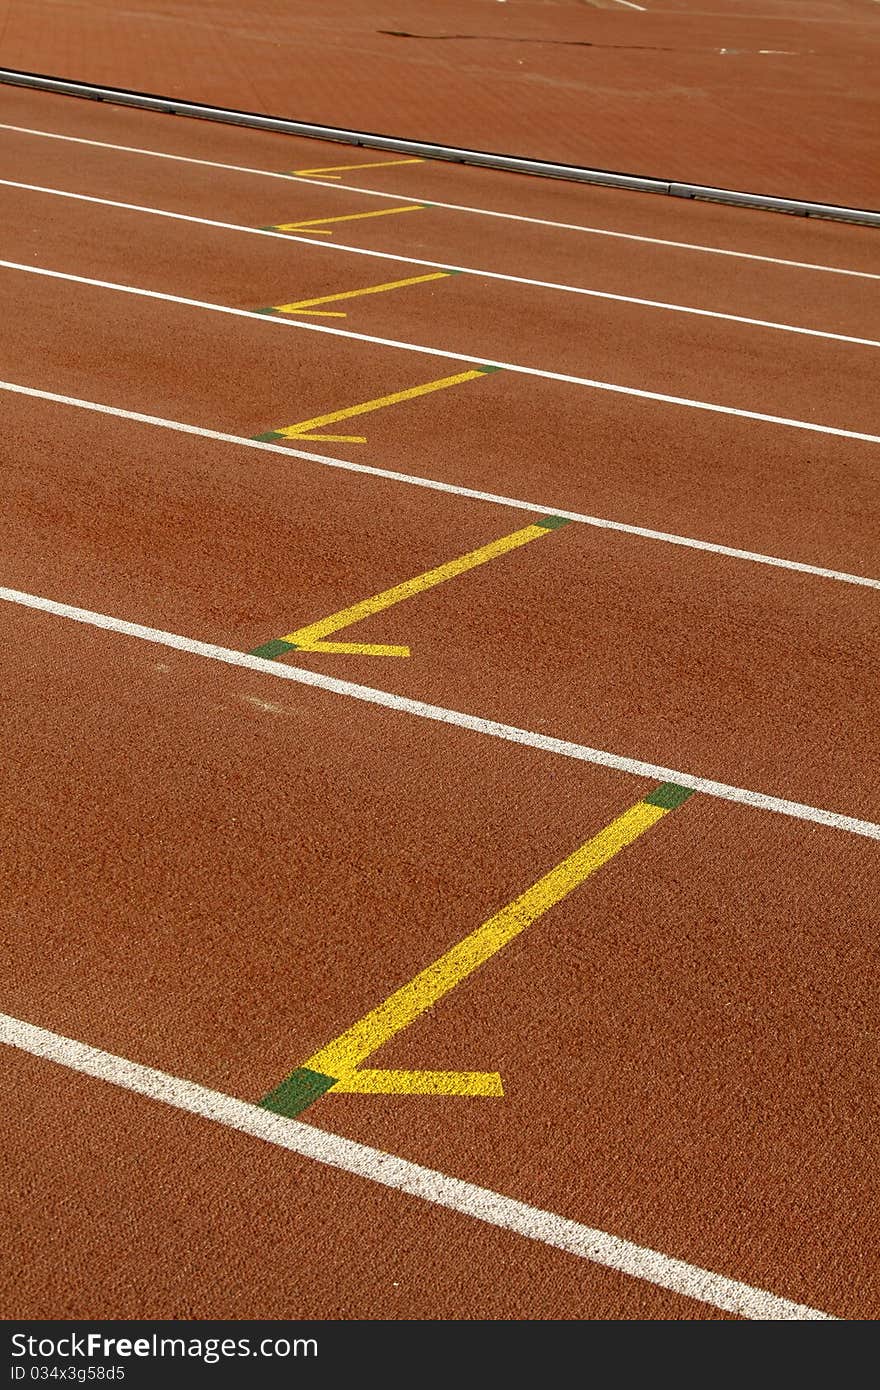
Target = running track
(625,469)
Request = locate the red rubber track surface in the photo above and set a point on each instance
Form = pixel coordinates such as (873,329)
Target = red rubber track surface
(626,1019)
(213,872)
(784,102)
(371,1254)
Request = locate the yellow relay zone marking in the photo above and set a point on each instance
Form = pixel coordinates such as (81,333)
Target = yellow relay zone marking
(332,171)
(315,225)
(311,638)
(305,429)
(304,306)
(338,1066)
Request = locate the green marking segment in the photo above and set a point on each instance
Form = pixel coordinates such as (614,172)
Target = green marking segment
(669,795)
(277,647)
(552,523)
(297,1092)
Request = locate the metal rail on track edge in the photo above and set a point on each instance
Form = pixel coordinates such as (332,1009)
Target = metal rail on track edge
(509,163)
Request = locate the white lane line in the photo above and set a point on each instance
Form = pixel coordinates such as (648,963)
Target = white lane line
(630,5)
(744,796)
(589,382)
(435,485)
(400,1175)
(452,207)
(475,272)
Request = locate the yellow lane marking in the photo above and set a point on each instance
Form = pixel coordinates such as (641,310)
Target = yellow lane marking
(303,306)
(305,428)
(422,1083)
(311,637)
(354,648)
(331,169)
(314,226)
(342,1058)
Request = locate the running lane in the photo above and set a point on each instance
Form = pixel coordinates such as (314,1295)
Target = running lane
(791,492)
(651,329)
(127,1164)
(597,247)
(639,1026)
(260,153)
(620,643)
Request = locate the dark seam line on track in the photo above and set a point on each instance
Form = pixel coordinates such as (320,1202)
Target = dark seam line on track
(586,43)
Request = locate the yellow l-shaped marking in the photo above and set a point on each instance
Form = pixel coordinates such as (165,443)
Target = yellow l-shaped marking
(315,225)
(305,306)
(311,638)
(333,171)
(305,429)
(338,1066)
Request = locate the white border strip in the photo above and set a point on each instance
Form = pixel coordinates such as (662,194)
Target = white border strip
(474,272)
(400,1175)
(689,542)
(516,164)
(450,207)
(592,384)
(404,705)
